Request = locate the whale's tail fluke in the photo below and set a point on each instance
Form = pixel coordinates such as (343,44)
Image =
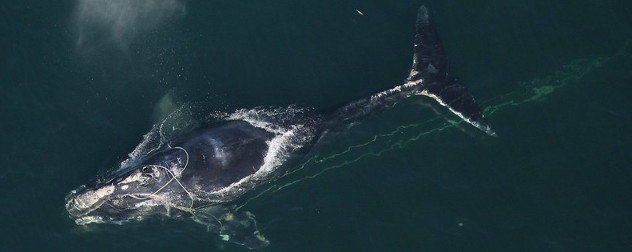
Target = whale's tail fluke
(428,54)
(428,77)
(429,70)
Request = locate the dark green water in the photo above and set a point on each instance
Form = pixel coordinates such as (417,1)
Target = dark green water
(79,89)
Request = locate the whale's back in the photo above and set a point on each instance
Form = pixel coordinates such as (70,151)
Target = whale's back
(224,154)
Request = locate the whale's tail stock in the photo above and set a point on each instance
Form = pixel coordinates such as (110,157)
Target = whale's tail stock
(428,77)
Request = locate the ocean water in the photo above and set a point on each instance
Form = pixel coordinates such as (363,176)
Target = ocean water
(81,81)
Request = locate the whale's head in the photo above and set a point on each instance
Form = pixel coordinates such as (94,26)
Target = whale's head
(134,193)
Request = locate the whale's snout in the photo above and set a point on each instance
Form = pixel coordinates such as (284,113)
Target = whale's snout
(82,201)
(127,195)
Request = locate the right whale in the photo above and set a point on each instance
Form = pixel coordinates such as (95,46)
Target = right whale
(428,76)
(200,175)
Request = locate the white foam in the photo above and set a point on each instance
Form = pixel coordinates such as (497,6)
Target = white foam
(483,127)
(160,134)
(142,148)
(286,140)
(406,86)
(288,137)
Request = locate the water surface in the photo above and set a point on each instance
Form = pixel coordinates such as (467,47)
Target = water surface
(80,81)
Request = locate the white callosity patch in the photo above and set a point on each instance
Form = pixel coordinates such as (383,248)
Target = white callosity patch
(136,176)
(88,202)
(89,198)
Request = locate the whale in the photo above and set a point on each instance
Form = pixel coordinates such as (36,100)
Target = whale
(199,174)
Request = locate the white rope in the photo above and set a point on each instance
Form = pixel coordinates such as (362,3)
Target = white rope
(155,196)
